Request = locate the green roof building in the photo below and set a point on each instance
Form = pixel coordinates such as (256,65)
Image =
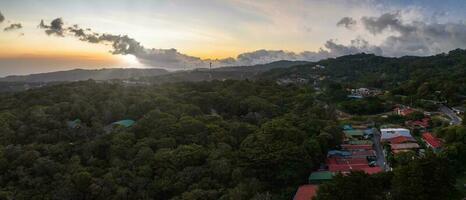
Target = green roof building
(320,177)
(74,124)
(355,133)
(360,142)
(125,123)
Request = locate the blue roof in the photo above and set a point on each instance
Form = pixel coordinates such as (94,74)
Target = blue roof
(347,127)
(338,153)
(126,123)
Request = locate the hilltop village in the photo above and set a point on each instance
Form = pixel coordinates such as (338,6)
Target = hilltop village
(374,147)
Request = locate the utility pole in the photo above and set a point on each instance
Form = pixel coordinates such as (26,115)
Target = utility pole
(210,71)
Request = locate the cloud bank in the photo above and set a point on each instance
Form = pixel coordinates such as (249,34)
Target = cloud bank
(2,18)
(401,38)
(13,27)
(417,37)
(171,58)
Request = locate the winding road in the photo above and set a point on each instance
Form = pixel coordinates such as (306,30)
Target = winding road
(455,119)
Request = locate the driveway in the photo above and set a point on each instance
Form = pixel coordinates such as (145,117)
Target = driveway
(379,150)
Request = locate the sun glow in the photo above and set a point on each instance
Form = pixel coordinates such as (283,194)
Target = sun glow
(131,61)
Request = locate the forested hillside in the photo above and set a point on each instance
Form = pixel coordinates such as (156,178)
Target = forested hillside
(427,77)
(207,140)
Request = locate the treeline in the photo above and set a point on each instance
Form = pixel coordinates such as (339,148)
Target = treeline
(207,140)
(441,77)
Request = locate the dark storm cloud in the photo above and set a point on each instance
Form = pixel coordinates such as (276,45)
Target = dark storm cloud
(2,18)
(13,27)
(347,22)
(54,28)
(376,25)
(357,45)
(416,37)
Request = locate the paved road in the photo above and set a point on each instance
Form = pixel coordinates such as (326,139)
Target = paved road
(455,119)
(379,150)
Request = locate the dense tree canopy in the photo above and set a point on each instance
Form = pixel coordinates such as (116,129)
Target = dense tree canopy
(208,140)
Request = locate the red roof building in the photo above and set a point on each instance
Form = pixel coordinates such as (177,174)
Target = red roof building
(404,146)
(306,192)
(345,168)
(362,154)
(400,139)
(431,140)
(423,123)
(404,111)
(373,170)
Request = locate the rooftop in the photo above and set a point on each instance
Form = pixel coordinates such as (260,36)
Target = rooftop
(353,132)
(404,146)
(431,140)
(400,139)
(126,123)
(74,124)
(421,123)
(306,192)
(388,133)
(394,129)
(320,175)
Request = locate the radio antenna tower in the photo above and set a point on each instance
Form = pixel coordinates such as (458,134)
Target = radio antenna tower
(210,70)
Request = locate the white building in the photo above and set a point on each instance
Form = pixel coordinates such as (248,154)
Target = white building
(389,133)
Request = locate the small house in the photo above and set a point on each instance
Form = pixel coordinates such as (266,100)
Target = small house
(389,133)
(354,134)
(124,123)
(419,124)
(432,141)
(404,111)
(306,192)
(75,124)
(320,177)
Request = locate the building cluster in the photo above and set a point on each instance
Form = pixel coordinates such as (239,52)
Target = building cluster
(358,151)
(291,81)
(400,139)
(355,154)
(317,67)
(360,93)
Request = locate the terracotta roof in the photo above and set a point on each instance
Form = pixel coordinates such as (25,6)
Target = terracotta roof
(404,146)
(421,123)
(401,151)
(358,167)
(372,170)
(306,192)
(400,139)
(363,153)
(431,140)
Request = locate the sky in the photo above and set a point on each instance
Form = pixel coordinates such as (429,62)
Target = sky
(50,35)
